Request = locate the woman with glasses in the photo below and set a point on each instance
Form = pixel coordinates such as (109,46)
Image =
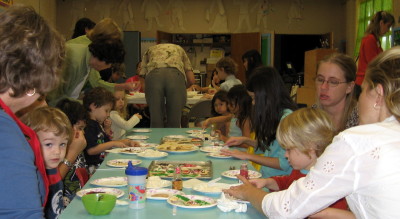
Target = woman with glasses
(334,84)
(360,164)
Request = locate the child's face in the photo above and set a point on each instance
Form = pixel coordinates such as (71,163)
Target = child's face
(53,148)
(221,73)
(119,100)
(220,107)
(299,160)
(100,113)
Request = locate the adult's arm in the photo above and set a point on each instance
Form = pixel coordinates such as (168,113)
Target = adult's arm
(76,147)
(19,178)
(190,78)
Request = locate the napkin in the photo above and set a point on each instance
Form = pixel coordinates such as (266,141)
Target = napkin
(188,184)
(227,205)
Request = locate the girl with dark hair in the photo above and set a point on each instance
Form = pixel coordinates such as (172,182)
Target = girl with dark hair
(272,103)
(251,60)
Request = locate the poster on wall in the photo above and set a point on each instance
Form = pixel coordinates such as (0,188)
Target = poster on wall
(5,3)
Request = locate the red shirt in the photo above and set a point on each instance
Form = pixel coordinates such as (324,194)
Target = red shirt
(285,181)
(369,49)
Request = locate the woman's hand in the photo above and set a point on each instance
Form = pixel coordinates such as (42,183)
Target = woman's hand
(235,153)
(243,191)
(78,143)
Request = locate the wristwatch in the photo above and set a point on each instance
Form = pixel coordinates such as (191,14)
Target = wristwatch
(67,163)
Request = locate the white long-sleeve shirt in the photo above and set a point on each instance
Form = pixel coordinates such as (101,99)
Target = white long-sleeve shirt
(119,125)
(362,164)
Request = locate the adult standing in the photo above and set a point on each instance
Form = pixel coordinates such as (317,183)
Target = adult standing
(334,86)
(361,162)
(77,69)
(168,72)
(30,52)
(371,43)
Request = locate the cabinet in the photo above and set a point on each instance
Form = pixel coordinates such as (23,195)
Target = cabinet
(234,44)
(306,94)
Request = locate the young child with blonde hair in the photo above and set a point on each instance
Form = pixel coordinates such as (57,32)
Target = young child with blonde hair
(119,116)
(304,134)
(54,131)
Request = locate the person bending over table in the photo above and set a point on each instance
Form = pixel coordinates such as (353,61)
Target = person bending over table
(360,164)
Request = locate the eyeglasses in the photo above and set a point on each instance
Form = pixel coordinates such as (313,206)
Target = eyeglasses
(330,82)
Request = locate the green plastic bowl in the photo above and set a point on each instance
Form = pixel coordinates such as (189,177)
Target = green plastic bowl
(99,204)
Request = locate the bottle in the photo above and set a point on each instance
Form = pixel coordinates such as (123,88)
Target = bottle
(177,182)
(244,171)
(212,133)
(136,185)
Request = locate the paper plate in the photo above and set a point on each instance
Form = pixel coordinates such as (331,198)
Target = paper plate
(137,137)
(110,182)
(152,154)
(196,131)
(210,149)
(219,155)
(162,194)
(122,162)
(173,200)
(148,145)
(214,189)
(141,130)
(117,192)
(232,174)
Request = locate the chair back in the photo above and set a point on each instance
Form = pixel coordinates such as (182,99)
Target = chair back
(201,109)
(82,175)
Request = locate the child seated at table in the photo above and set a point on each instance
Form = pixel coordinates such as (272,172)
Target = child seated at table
(118,116)
(227,68)
(304,134)
(98,102)
(74,158)
(54,132)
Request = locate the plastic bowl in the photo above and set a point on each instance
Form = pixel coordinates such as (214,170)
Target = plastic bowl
(99,204)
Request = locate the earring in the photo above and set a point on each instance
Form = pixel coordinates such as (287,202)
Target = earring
(375,106)
(31,94)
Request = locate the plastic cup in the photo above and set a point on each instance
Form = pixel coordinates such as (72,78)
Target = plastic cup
(136,186)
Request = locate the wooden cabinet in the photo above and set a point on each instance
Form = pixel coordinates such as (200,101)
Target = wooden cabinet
(235,44)
(306,94)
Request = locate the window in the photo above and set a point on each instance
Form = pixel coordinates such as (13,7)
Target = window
(367,9)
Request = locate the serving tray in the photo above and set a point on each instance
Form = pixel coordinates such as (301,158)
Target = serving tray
(189,169)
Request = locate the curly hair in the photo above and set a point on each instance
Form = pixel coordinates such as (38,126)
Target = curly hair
(228,64)
(110,51)
(98,96)
(31,51)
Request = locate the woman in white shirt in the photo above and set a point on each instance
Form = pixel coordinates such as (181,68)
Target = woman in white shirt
(361,164)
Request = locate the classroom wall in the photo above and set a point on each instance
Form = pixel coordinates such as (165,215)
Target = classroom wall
(46,8)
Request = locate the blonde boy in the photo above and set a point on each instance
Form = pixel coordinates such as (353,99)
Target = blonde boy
(304,134)
(54,131)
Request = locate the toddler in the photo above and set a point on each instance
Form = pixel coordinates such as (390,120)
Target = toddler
(54,132)
(304,134)
(118,116)
(98,102)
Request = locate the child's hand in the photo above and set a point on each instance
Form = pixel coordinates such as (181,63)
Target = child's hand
(120,144)
(235,141)
(221,136)
(138,115)
(235,153)
(205,124)
(259,183)
(107,123)
(134,144)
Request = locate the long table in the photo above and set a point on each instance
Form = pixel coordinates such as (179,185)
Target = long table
(142,100)
(156,208)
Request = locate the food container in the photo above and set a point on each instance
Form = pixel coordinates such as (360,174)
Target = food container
(190,169)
